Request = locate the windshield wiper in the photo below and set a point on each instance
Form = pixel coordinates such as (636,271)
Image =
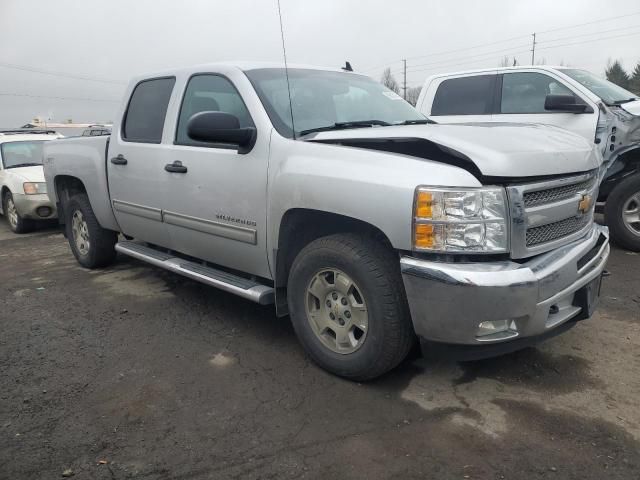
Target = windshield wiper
(344,125)
(25,165)
(420,121)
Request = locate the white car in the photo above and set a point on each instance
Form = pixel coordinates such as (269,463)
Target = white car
(23,190)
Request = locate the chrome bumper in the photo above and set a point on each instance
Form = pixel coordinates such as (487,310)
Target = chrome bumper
(28,205)
(448,301)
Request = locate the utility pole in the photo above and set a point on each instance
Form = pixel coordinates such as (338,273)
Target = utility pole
(404,87)
(533,50)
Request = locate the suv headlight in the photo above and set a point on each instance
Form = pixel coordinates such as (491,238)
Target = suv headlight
(460,221)
(34,188)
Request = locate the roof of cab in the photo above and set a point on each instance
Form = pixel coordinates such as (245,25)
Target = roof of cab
(19,135)
(500,69)
(240,65)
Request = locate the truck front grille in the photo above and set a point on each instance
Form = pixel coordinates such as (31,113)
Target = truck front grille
(546,215)
(550,195)
(553,231)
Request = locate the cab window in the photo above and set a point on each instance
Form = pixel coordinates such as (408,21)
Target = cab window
(144,118)
(465,96)
(209,93)
(526,92)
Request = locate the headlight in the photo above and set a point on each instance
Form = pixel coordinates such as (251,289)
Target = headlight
(33,188)
(460,221)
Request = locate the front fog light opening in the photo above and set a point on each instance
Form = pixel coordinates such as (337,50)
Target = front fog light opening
(493,330)
(43,211)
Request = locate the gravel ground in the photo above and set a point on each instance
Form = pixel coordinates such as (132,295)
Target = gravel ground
(132,372)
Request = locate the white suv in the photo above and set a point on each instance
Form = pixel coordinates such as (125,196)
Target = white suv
(23,190)
(570,98)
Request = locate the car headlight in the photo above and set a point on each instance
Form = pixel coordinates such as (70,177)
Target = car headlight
(460,221)
(34,188)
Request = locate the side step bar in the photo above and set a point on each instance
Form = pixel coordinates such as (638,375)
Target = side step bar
(228,282)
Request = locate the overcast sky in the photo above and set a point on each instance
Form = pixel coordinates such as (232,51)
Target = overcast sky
(115,39)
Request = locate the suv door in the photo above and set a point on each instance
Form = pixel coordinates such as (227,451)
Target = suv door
(522,97)
(465,99)
(217,209)
(138,183)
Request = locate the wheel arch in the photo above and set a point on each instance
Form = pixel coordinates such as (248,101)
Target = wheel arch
(66,186)
(299,227)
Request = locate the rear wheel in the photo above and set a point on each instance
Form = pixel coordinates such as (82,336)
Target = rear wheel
(622,213)
(348,306)
(92,245)
(17,224)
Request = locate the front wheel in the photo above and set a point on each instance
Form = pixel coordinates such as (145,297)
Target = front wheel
(348,306)
(622,213)
(92,245)
(17,224)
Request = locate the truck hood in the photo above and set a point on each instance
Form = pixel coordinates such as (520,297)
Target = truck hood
(484,149)
(632,107)
(27,174)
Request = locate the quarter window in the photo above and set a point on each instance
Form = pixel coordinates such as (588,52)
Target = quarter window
(209,93)
(147,109)
(526,92)
(465,96)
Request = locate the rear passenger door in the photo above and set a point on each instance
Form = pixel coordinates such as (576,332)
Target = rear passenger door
(522,97)
(138,182)
(465,99)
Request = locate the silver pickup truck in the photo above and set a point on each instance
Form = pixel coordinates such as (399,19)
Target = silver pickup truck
(324,193)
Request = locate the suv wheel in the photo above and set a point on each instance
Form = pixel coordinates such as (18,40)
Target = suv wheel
(348,306)
(17,224)
(92,245)
(622,213)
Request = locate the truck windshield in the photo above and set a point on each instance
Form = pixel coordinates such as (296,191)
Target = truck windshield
(21,154)
(609,92)
(326,100)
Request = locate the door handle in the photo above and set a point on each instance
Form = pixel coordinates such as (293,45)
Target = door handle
(175,167)
(119,160)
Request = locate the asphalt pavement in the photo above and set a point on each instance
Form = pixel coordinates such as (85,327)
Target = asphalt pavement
(133,372)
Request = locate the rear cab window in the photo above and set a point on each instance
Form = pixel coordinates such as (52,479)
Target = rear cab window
(145,115)
(473,95)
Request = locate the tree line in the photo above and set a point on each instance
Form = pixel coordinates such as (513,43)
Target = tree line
(616,73)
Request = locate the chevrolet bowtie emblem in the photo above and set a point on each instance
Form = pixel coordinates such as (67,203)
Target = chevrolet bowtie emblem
(585,204)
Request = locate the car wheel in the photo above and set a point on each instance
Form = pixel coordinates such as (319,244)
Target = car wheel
(92,245)
(348,306)
(17,224)
(622,213)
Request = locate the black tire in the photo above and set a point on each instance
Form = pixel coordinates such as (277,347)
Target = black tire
(621,233)
(100,251)
(21,225)
(375,269)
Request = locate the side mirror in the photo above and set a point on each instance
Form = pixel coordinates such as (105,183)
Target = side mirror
(221,127)
(565,103)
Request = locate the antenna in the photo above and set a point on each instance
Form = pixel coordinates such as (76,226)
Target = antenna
(286,71)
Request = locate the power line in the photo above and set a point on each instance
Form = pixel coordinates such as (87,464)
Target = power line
(59,74)
(466,62)
(588,34)
(58,98)
(591,23)
(491,54)
(588,41)
(567,27)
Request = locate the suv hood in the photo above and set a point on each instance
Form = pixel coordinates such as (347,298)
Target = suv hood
(484,149)
(28,174)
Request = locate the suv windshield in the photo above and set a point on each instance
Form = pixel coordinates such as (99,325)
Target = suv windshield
(609,92)
(21,154)
(324,100)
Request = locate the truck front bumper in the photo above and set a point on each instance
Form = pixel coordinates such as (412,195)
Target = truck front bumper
(487,303)
(35,207)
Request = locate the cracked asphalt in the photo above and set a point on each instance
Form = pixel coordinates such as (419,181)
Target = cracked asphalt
(133,372)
